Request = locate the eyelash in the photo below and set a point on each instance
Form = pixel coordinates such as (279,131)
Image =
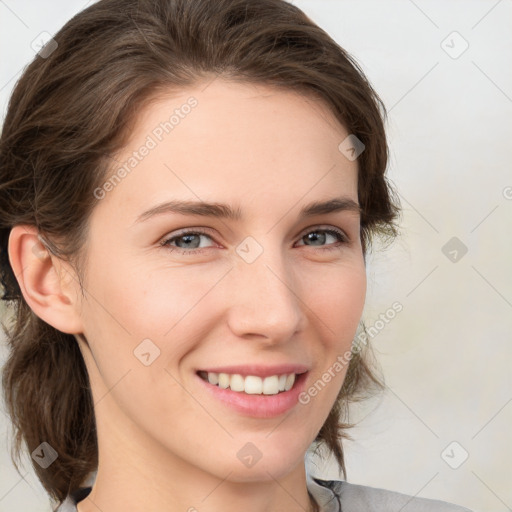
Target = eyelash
(342,238)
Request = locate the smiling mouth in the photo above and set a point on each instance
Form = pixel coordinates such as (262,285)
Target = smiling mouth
(250,384)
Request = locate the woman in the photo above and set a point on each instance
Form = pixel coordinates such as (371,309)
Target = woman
(188,192)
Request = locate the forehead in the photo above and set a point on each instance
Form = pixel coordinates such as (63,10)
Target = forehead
(247,142)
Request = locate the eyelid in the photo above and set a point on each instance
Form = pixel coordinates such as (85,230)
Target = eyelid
(345,238)
(324,227)
(186,231)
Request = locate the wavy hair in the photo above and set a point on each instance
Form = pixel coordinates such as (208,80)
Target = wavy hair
(71,111)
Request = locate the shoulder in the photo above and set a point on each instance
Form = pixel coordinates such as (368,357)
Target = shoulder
(338,496)
(356,498)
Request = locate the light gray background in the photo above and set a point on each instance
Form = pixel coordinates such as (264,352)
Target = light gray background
(447,356)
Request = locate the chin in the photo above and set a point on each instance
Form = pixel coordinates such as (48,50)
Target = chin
(264,460)
(259,473)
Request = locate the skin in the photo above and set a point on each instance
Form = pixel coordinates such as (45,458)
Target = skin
(165,444)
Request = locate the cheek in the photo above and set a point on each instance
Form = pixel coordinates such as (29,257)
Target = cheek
(151,300)
(336,295)
(160,304)
(336,300)
(165,311)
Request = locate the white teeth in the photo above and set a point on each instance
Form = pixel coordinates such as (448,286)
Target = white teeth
(223,380)
(289,382)
(236,383)
(252,385)
(271,385)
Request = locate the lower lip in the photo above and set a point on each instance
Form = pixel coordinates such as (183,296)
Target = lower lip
(258,406)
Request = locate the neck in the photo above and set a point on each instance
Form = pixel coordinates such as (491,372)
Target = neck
(141,475)
(192,494)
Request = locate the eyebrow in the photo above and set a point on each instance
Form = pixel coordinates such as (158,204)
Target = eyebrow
(225,211)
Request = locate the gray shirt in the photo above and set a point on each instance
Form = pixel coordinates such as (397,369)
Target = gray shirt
(336,496)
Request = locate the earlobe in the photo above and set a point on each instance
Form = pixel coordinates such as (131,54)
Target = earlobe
(46,284)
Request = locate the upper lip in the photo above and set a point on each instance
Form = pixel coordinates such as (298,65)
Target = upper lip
(258,370)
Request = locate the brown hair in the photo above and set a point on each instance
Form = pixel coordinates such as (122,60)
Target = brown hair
(70,112)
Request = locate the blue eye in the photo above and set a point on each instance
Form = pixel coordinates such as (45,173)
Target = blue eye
(188,242)
(321,235)
(190,239)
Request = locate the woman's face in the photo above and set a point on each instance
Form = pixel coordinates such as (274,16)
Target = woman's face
(172,294)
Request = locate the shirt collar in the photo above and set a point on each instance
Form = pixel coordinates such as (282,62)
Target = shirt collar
(325,492)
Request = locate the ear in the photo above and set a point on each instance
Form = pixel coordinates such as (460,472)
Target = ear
(48,284)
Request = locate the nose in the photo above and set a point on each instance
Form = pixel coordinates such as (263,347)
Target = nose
(265,300)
